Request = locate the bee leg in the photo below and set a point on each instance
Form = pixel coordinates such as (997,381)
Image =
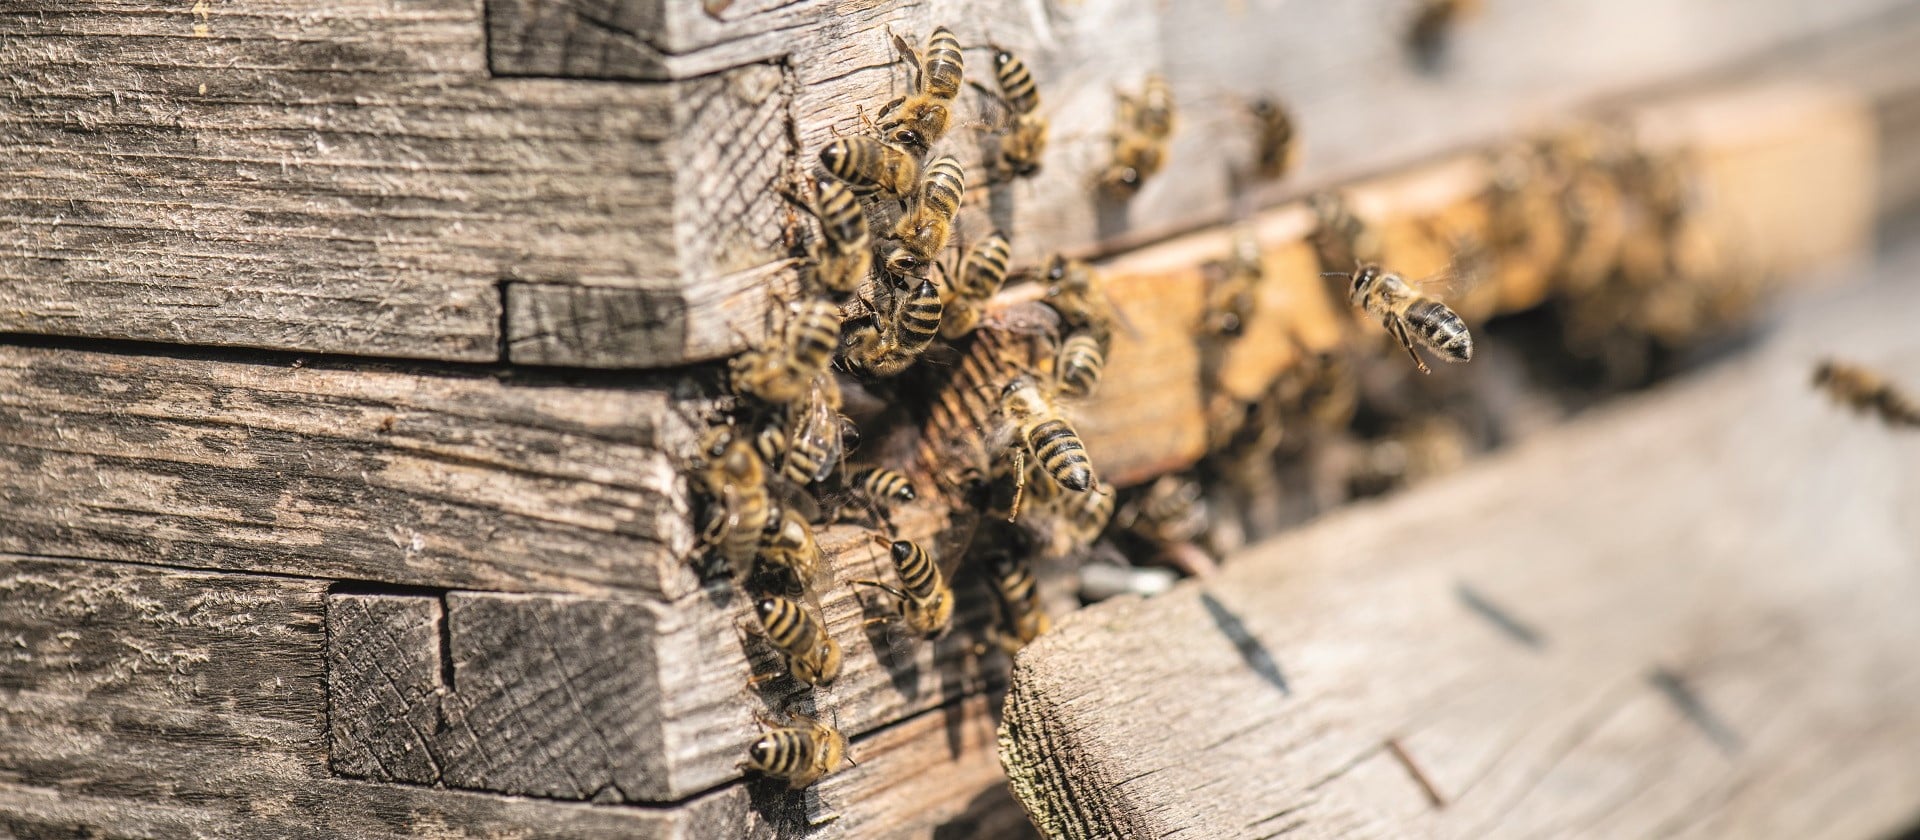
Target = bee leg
(1399,331)
(1019,482)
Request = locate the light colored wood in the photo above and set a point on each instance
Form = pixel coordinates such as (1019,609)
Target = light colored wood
(1684,615)
(160,702)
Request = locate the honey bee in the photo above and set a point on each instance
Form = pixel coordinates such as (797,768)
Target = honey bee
(733,479)
(808,445)
(789,545)
(890,342)
(1409,316)
(1143,129)
(1080,365)
(924,601)
(1085,521)
(979,278)
(1025,139)
(883,487)
(813,657)
(1274,150)
(1019,597)
(1867,392)
(799,755)
(1231,286)
(787,368)
(1079,294)
(917,121)
(867,164)
(1340,238)
(924,229)
(1036,428)
(843,255)
(1171,511)
(1427,36)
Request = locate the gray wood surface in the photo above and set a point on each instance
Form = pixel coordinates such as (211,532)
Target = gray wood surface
(1685,615)
(152,702)
(348,472)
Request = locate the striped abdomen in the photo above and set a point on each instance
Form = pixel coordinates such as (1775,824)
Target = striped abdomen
(784,753)
(1061,454)
(865,163)
(841,216)
(920,318)
(944,185)
(919,575)
(1081,364)
(1440,328)
(1020,596)
(884,485)
(942,67)
(789,543)
(814,334)
(1016,83)
(985,269)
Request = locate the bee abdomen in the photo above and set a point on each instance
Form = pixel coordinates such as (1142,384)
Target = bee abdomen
(1016,82)
(845,221)
(883,484)
(917,571)
(986,267)
(789,626)
(1062,455)
(855,160)
(1440,328)
(944,64)
(817,334)
(920,317)
(1081,365)
(945,185)
(789,752)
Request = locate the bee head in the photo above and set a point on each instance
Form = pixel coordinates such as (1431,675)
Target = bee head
(902,263)
(1363,280)
(910,138)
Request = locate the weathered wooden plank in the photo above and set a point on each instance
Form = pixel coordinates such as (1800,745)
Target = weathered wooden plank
(156,702)
(350,179)
(1687,615)
(457,480)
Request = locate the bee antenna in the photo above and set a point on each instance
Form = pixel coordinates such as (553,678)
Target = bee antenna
(1335,273)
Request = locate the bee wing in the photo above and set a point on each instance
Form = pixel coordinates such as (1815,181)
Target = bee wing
(820,428)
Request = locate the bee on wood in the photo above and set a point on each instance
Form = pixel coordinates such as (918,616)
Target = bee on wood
(1080,365)
(794,358)
(1274,150)
(1024,140)
(924,601)
(1079,294)
(1032,425)
(1143,130)
(807,444)
(884,488)
(889,342)
(1866,391)
(1411,317)
(799,755)
(1427,35)
(1340,238)
(1085,521)
(1231,286)
(843,255)
(1019,596)
(733,479)
(812,656)
(918,120)
(925,228)
(789,545)
(979,278)
(867,164)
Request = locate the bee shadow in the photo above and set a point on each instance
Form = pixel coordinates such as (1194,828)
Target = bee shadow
(788,812)
(885,635)
(1251,651)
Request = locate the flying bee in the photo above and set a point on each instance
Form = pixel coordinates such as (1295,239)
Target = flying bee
(798,755)
(1019,597)
(1866,391)
(843,255)
(889,342)
(924,601)
(1409,316)
(1427,36)
(1274,149)
(1172,511)
(1080,365)
(787,367)
(1340,238)
(884,488)
(1024,139)
(813,657)
(918,120)
(979,278)
(1143,129)
(733,479)
(1036,428)
(925,228)
(867,164)
(789,545)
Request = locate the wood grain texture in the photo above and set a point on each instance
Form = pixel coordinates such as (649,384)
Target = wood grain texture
(142,701)
(345,472)
(350,179)
(1686,615)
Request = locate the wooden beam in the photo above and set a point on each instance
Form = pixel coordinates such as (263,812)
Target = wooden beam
(1687,615)
(157,701)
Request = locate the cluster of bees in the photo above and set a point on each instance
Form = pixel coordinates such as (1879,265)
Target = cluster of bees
(877,296)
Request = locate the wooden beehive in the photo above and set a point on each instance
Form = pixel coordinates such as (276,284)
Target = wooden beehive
(353,351)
